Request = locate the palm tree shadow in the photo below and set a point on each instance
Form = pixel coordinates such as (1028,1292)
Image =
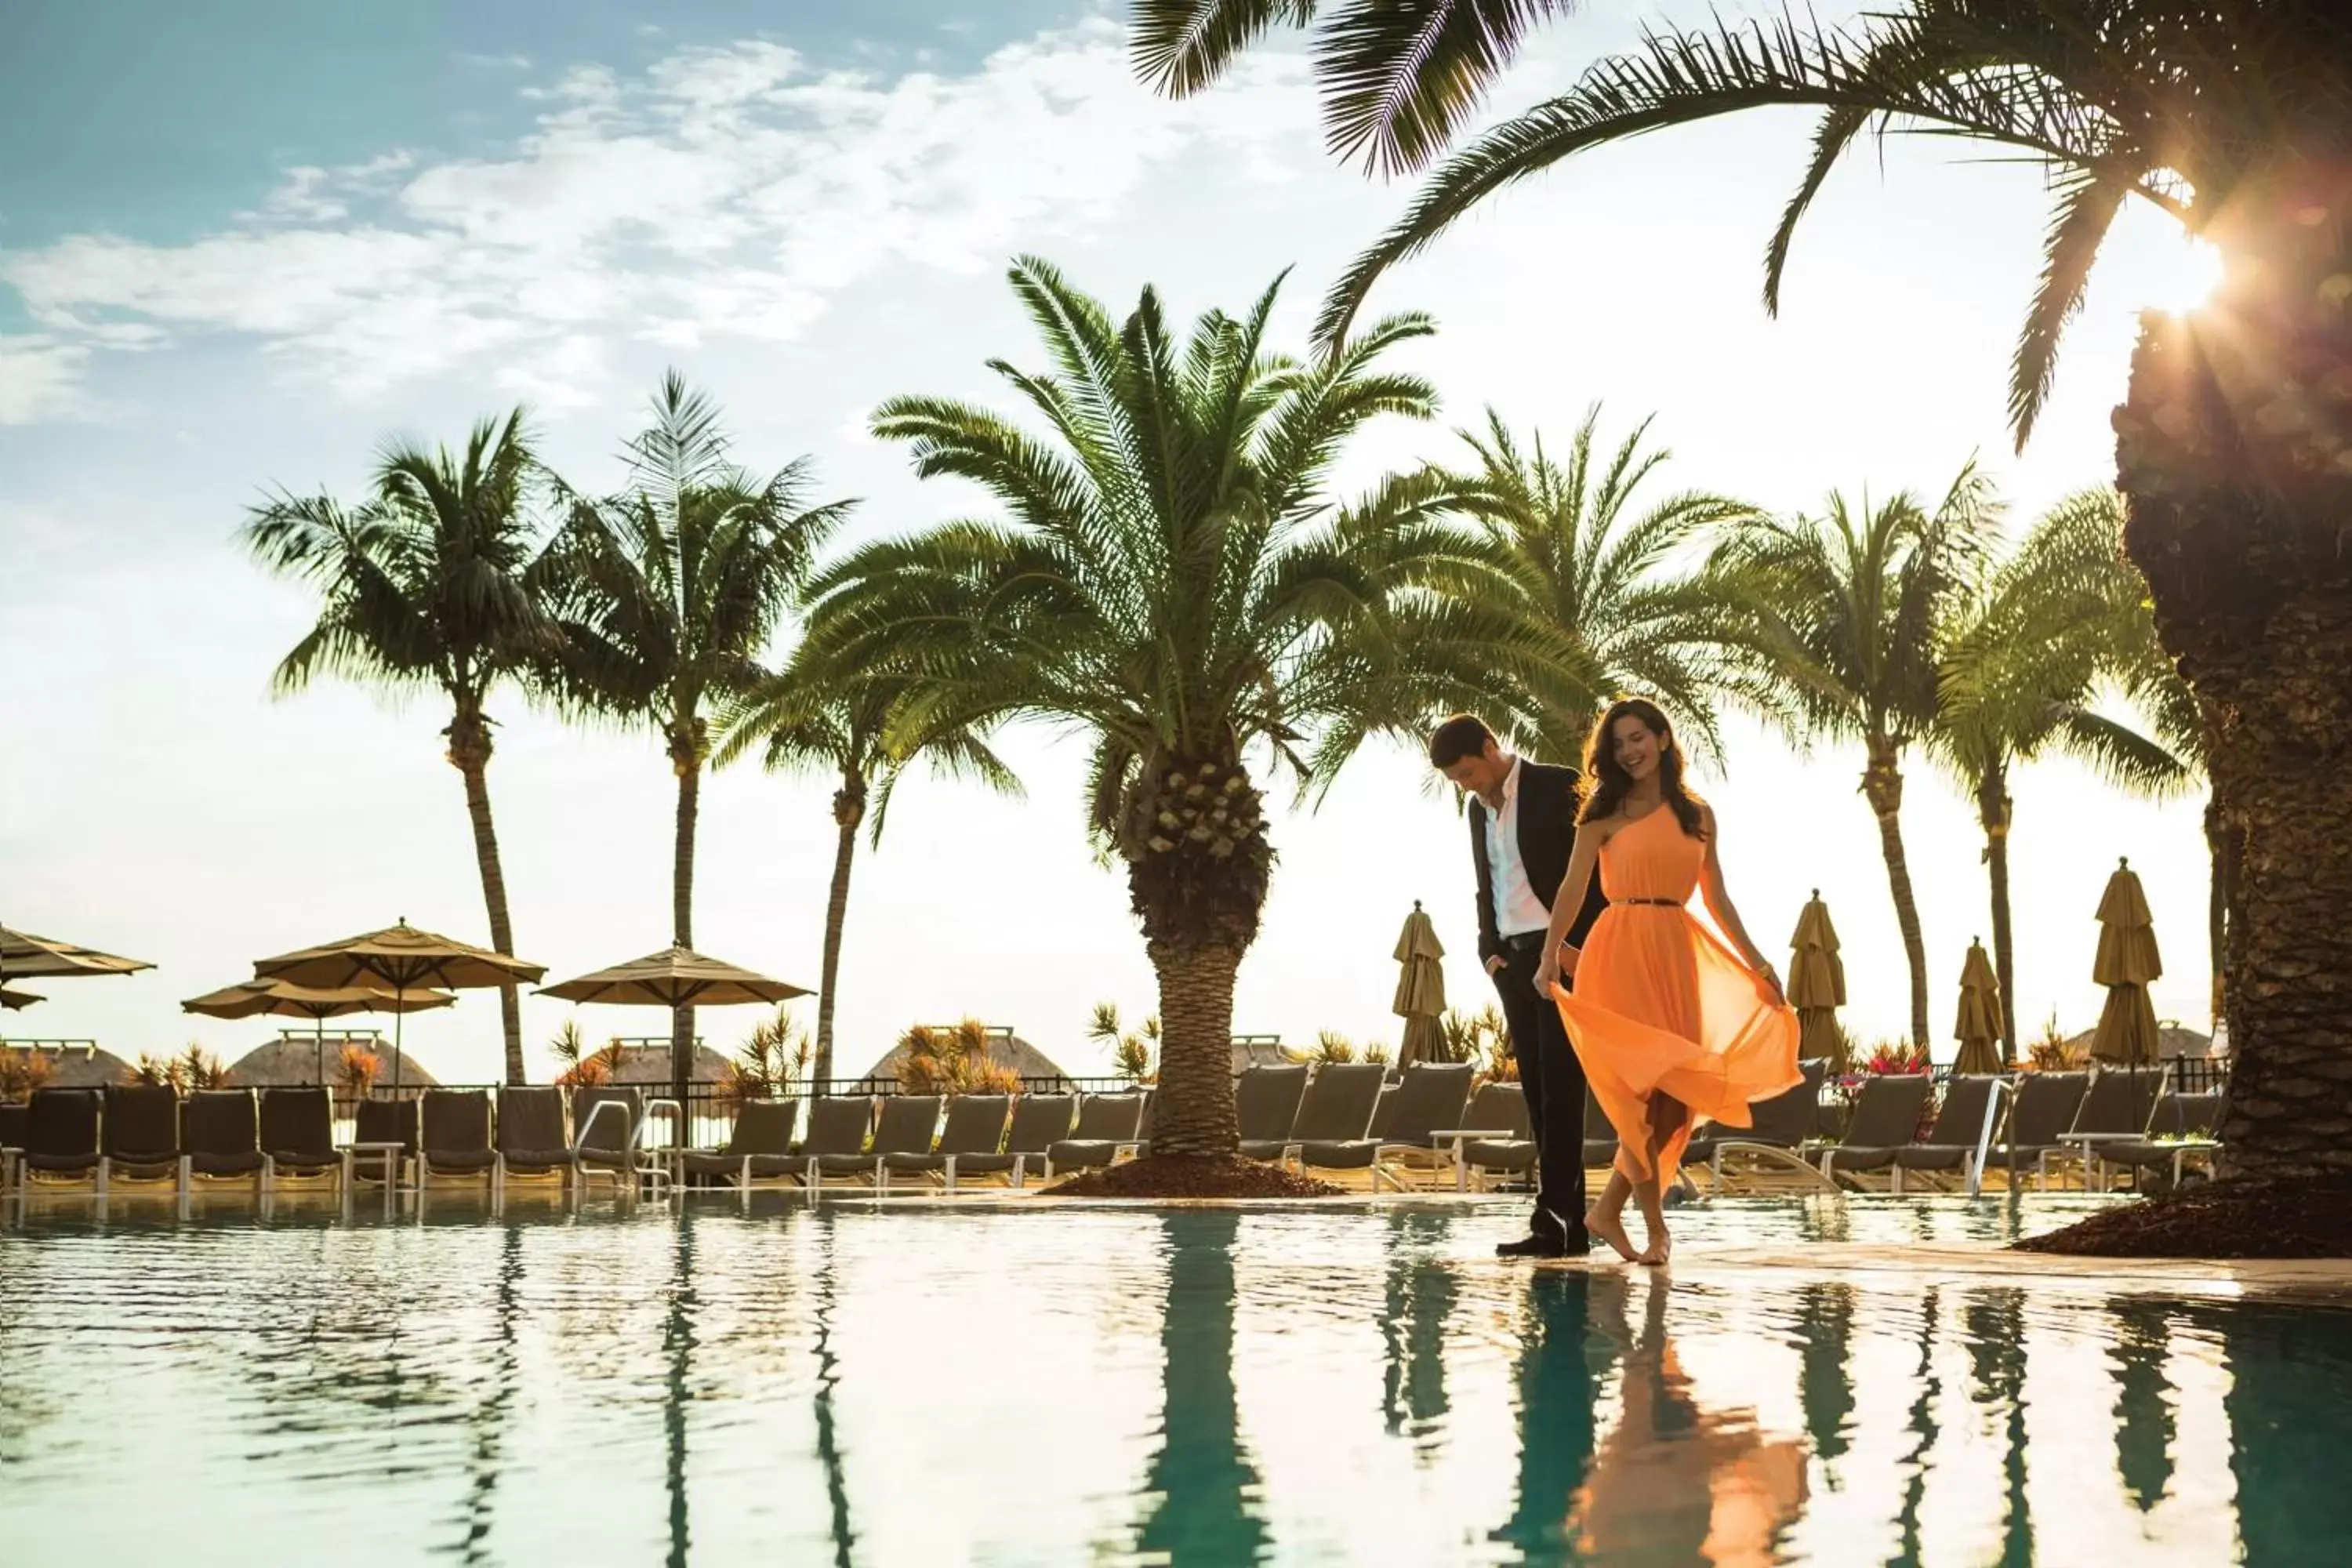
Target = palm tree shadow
(1202,1477)
(1420,1303)
(2146,1423)
(491,1417)
(828,1377)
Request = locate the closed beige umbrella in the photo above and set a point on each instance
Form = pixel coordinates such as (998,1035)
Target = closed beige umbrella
(24,957)
(278,998)
(1421,987)
(2127,962)
(1979,1026)
(401,959)
(14,1000)
(1816,986)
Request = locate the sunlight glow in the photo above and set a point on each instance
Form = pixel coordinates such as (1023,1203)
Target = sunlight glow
(2185,275)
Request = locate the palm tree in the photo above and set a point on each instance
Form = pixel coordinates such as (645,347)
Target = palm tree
(1836,620)
(427,585)
(840,721)
(1596,570)
(1172,579)
(2235,119)
(669,592)
(1397,80)
(2017,673)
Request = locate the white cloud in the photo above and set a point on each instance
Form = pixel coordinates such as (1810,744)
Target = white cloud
(40,378)
(724,192)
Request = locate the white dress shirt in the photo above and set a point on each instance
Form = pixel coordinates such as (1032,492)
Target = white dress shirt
(1517,911)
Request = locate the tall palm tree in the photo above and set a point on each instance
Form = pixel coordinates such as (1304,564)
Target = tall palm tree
(427,585)
(2021,667)
(2235,118)
(1599,569)
(1396,79)
(806,718)
(669,592)
(1170,578)
(1836,620)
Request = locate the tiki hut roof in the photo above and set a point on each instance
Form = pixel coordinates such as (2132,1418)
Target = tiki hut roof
(1004,1047)
(2172,1042)
(80,1064)
(648,1064)
(290,1061)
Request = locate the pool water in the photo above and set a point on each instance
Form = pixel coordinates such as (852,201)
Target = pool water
(923,1383)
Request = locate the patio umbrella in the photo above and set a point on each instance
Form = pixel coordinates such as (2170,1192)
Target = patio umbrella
(675,977)
(1979,1028)
(24,957)
(2127,962)
(401,959)
(15,1000)
(279,999)
(1816,985)
(1421,987)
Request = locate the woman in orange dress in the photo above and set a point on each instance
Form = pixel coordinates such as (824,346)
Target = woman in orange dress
(1673,1026)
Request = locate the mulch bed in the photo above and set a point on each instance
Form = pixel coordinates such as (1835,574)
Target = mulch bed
(2236,1217)
(1186,1176)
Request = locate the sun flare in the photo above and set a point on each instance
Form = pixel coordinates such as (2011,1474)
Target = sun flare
(2186,274)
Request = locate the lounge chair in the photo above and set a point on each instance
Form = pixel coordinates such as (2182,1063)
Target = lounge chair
(391,1125)
(2042,1106)
(1384,1111)
(2182,1128)
(1885,1116)
(1266,1102)
(532,1141)
(1782,1131)
(454,1136)
(220,1136)
(138,1132)
(1337,1107)
(975,1127)
(1039,1121)
(297,1136)
(760,1144)
(1950,1144)
(606,1140)
(14,1114)
(61,1137)
(905,1127)
(1502,1140)
(837,1128)
(2116,1109)
(1109,1126)
(1429,1100)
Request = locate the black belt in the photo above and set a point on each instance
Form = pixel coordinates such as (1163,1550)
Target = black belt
(1669,903)
(1522,939)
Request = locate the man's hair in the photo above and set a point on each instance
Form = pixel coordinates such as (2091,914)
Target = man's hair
(1463,735)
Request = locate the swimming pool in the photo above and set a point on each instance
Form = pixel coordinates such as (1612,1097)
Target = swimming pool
(923,1383)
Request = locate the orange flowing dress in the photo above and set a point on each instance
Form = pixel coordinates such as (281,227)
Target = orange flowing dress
(1663,1007)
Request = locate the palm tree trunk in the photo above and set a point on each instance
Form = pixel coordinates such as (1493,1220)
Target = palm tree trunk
(2233,518)
(470,753)
(2217,904)
(1994,808)
(1193,1112)
(681,1019)
(1882,786)
(848,812)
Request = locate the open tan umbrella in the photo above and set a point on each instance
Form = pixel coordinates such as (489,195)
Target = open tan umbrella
(1816,985)
(675,977)
(1979,1027)
(401,959)
(14,1000)
(1421,987)
(24,957)
(279,999)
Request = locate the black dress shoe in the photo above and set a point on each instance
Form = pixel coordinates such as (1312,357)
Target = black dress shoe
(1537,1245)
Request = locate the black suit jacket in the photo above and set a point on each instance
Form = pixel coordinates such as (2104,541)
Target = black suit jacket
(1547,806)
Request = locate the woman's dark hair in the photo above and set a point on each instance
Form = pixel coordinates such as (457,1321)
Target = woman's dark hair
(1605,782)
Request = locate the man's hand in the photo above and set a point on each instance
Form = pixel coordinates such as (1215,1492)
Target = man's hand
(1497,964)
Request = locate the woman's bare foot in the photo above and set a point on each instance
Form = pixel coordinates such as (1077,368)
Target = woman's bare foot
(1660,1250)
(1610,1229)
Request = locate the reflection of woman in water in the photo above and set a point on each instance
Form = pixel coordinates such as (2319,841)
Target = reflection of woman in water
(1674,1482)
(1673,1026)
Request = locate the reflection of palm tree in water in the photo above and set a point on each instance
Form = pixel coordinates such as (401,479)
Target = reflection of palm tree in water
(1201,1474)
(490,1415)
(1922,1429)
(1675,1482)
(828,1375)
(1412,1330)
(678,1354)
(2146,1426)
(1996,1340)
(2289,1374)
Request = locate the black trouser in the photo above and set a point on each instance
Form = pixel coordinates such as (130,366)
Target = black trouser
(1553,1080)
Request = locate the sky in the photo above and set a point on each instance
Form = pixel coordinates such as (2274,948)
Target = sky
(240,250)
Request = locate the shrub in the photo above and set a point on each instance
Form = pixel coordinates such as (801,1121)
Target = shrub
(1134,1056)
(1898,1056)
(356,1070)
(1377,1054)
(953,1062)
(772,1058)
(22,1072)
(1331,1046)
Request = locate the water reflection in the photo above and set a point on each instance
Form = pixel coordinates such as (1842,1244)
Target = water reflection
(876,1386)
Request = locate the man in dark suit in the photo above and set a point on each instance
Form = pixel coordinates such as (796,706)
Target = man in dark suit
(1522,824)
